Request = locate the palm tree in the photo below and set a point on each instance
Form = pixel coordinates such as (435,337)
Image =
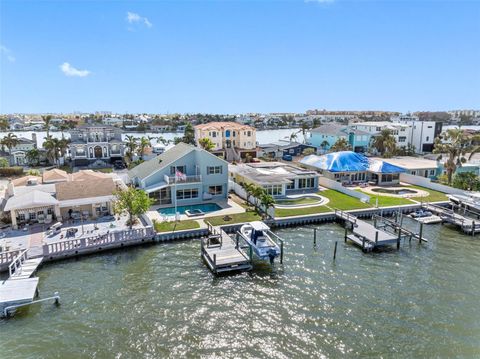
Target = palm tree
(144,143)
(33,156)
(305,128)
(385,143)
(63,127)
(454,145)
(52,146)
(293,136)
(248,187)
(341,145)
(10,141)
(162,140)
(206,143)
(257,192)
(131,144)
(63,146)
(324,145)
(47,119)
(267,201)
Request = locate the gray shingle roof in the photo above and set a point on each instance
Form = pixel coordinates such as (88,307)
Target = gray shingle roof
(148,167)
(338,130)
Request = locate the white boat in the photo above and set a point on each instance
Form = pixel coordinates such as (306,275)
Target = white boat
(470,200)
(429,220)
(256,234)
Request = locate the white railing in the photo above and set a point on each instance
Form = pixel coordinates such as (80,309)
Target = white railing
(185,179)
(7,257)
(107,239)
(16,265)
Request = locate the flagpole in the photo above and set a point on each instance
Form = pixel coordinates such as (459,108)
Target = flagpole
(175,194)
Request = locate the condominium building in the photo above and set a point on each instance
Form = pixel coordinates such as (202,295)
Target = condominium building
(232,141)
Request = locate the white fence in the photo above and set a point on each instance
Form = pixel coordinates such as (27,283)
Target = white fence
(427,183)
(337,186)
(239,191)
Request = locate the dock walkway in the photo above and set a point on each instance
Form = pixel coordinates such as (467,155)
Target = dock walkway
(19,289)
(224,254)
(364,234)
(447,215)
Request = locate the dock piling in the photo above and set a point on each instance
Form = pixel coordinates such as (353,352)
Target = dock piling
(421,233)
(345,237)
(315,237)
(281,252)
(335,250)
(473,228)
(398,238)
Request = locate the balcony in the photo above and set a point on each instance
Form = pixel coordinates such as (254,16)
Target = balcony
(185,179)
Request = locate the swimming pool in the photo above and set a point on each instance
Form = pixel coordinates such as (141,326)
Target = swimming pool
(204,207)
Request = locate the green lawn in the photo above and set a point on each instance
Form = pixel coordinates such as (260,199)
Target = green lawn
(236,218)
(176,226)
(342,201)
(104,170)
(284,212)
(386,201)
(434,196)
(297,201)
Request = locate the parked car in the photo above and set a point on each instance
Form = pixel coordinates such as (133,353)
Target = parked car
(287,157)
(119,165)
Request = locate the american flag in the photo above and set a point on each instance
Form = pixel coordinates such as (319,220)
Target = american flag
(180,176)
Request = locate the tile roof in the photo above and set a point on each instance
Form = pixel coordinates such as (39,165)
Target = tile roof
(84,189)
(55,175)
(222,125)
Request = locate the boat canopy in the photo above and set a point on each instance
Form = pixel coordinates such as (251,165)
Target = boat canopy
(259,226)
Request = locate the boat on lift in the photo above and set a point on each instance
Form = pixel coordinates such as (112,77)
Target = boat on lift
(257,234)
(469,200)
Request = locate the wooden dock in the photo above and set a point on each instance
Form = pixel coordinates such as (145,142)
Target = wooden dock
(224,254)
(364,234)
(19,289)
(448,215)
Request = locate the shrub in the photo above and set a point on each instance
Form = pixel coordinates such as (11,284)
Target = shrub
(10,171)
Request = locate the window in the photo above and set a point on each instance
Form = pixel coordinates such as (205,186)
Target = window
(179,168)
(215,190)
(306,182)
(187,193)
(21,216)
(291,185)
(402,139)
(49,211)
(432,172)
(32,215)
(427,138)
(214,134)
(273,190)
(378,129)
(249,133)
(212,170)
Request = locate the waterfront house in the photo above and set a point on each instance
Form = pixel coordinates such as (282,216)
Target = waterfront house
(277,178)
(17,156)
(96,145)
(349,167)
(54,197)
(281,148)
(183,175)
(233,141)
(325,136)
(416,166)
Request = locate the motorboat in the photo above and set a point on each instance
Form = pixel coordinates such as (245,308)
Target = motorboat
(420,213)
(425,217)
(469,200)
(257,235)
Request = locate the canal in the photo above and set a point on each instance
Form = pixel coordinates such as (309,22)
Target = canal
(161,301)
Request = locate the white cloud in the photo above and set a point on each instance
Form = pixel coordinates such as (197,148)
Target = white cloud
(133,18)
(7,52)
(69,70)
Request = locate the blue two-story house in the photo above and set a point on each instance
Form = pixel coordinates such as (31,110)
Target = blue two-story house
(325,136)
(183,175)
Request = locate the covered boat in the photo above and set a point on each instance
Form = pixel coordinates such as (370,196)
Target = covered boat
(256,234)
(470,201)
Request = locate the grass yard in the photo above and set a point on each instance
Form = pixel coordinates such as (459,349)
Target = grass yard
(175,226)
(297,201)
(386,201)
(342,201)
(434,196)
(248,216)
(284,212)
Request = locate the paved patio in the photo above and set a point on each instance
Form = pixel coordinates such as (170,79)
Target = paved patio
(36,235)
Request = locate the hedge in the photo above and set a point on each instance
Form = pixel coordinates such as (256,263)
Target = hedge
(11,171)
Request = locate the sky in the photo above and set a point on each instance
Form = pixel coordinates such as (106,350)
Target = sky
(238,56)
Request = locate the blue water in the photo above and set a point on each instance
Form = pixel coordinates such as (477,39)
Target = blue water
(204,207)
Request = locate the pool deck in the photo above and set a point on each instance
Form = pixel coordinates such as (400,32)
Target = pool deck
(228,208)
